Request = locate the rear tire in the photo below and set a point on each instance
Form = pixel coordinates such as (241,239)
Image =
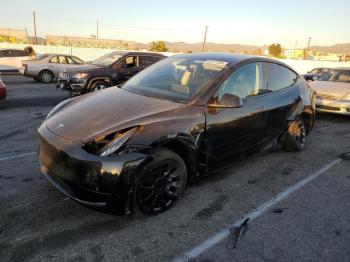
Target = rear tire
(160,185)
(46,76)
(295,136)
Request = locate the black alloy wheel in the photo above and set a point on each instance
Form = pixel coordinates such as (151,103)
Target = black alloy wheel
(162,182)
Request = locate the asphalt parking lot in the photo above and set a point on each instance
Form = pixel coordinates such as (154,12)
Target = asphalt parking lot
(290,220)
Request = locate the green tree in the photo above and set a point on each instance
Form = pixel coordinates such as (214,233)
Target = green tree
(158,46)
(275,50)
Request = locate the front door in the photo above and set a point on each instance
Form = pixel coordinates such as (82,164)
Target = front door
(56,64)
(233,131)
(127,68)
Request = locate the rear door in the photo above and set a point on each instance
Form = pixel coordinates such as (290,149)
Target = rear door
(282,99)
(232,131)
(147,60)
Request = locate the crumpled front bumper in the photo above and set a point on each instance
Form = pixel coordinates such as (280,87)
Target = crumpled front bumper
(71,84)
(89,179)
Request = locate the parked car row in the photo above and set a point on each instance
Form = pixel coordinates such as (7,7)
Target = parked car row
(78,77)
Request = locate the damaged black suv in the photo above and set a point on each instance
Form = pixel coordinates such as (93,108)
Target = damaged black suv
(108,70)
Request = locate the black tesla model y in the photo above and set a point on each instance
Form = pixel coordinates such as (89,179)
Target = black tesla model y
(135,147)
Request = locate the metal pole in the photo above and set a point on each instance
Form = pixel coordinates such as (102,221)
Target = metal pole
(97,30)
(308,47)
(205,38)
(34,21)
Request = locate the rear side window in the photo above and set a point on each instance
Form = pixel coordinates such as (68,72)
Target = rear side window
(279,77)
(148,60)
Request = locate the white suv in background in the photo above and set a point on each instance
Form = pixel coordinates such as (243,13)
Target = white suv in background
(11,59)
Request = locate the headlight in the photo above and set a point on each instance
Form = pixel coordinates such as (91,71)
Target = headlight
(79,75)
(107,145)
(58,107)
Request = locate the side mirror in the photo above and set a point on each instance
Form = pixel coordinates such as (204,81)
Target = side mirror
(314,78)
(228,101)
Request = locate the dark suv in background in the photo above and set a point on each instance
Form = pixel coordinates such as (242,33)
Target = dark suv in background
(108,70)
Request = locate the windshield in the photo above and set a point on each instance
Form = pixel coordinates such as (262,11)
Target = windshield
(107,60)
(336,76)
(178,79)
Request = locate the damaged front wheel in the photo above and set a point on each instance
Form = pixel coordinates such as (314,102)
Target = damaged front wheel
(295,136)
(161,183)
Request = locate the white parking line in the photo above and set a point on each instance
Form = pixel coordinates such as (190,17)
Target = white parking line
(222,234)
(17,156)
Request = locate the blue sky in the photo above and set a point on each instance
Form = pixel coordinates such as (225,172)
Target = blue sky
(244,22)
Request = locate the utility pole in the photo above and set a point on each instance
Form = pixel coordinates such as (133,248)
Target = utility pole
(296,43)
(97,29)
(34,22)
(308,47)
(205,38)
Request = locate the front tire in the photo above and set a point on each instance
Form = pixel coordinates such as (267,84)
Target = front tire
(161,183)
(46,76)
(295,136)
(99,85)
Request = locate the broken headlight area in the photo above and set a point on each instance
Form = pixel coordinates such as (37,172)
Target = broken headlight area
(109,144)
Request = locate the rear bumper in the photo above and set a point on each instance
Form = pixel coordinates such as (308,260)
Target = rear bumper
(341,107)
(88,179)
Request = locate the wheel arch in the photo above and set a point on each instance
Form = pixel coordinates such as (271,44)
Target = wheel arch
(93,80)
(308,116)
(185,150)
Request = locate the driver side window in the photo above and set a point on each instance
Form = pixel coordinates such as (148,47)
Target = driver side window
(130,61)
(244,82)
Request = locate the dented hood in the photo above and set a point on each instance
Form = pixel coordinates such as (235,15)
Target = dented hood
(103,112)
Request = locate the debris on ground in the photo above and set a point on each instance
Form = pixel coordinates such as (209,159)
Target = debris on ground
(239,231)
(345,156)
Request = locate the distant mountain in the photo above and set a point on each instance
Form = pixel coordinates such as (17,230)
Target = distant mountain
(237,48)
(210,47)
(337,49)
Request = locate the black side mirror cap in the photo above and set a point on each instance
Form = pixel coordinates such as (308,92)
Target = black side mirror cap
(228,101)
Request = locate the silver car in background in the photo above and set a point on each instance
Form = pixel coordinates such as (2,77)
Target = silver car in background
(333,91)
(46,67)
